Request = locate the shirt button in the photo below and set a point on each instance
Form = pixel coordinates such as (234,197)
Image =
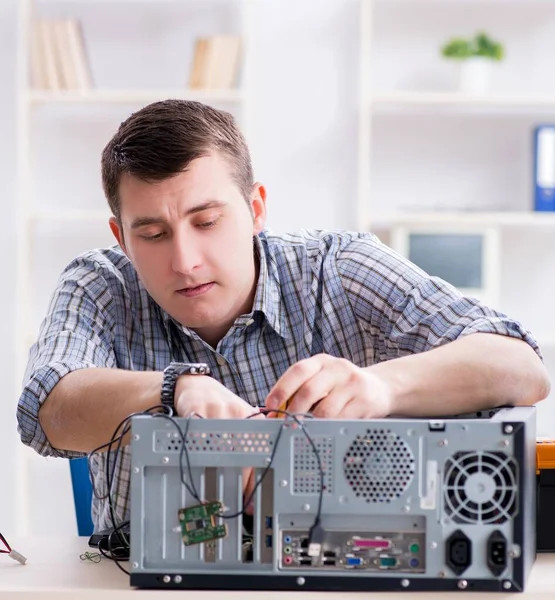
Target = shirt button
(220,360)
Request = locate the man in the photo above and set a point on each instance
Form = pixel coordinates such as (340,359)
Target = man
(333,323)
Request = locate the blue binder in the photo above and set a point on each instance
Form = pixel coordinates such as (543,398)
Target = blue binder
(544,168)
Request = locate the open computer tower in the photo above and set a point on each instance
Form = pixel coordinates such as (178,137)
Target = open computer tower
(406,504)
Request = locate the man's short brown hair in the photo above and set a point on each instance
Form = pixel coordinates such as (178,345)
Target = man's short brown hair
(161,139)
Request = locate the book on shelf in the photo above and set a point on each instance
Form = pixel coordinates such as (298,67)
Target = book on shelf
(58,60)
(215,62)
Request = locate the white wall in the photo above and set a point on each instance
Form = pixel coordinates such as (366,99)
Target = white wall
(7,243)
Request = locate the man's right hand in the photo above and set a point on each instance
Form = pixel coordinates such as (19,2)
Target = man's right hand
(208,398)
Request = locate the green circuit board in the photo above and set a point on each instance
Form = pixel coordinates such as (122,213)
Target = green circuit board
(198,523)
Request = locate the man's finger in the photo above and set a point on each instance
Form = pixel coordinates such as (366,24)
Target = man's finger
(354,409)
(314,390)
(333,404)
(292,380)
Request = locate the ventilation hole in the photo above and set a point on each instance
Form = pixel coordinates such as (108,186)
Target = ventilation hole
(383,468)
(306,471)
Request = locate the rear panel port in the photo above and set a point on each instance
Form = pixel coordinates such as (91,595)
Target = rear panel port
(329,554)
(287,550)
(387,562)
(304,542)
(497,553)
(287,560)
(375,544)
(353,561)
(269,541)
(269,522)
(287,539)
(328,562)
(306,562)
(458,552)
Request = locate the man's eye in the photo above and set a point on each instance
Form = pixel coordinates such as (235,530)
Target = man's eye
(156,236)
(207,224)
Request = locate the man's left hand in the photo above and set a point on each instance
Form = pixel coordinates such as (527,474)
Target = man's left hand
(332,388)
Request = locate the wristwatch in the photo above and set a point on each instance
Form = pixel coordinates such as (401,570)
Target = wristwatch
(172,372)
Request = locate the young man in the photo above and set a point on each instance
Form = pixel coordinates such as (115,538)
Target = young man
(334,323)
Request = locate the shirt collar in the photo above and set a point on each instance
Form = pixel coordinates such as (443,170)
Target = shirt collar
(267,299)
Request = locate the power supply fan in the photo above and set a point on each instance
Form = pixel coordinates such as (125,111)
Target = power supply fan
(480,487)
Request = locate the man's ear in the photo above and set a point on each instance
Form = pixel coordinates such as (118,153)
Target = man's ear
(117,230)
(258,206)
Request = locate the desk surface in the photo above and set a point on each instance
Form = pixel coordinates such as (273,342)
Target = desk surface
(54,569)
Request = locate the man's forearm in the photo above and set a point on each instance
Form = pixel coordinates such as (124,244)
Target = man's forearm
(85,407)
(474,372)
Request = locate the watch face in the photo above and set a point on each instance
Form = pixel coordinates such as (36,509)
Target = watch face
(193,369)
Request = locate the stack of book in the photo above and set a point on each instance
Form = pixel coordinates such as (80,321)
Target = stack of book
(215,62)
(58,59)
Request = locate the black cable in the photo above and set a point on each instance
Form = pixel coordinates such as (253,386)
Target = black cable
(190,488)
(259,482)
(115,438)
(295,416)
(120,552)
(124,425)
(5,542)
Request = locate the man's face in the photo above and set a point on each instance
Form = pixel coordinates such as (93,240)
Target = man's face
(190,239)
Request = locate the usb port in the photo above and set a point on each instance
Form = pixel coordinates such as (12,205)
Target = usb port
(269,523)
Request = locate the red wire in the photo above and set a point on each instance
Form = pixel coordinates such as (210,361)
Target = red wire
(9,549)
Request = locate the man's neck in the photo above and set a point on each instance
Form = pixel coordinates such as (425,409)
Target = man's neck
(213,335)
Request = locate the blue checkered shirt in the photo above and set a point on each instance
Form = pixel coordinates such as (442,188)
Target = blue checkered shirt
(342,293)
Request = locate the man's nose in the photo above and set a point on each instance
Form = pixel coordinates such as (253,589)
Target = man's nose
(185,254)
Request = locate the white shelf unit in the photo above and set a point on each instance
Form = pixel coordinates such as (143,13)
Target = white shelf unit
(133,96)
(506,103)
(435,160)
(50,232)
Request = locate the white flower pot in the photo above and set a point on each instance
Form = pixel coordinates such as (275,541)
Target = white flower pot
(475,75)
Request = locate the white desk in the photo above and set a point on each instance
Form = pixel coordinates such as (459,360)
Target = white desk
(54,570)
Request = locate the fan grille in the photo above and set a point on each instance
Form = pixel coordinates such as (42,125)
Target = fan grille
(379,466)
(481,487)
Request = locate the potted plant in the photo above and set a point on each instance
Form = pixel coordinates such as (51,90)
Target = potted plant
(475,57)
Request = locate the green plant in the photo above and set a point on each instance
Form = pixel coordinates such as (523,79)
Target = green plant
(480,45)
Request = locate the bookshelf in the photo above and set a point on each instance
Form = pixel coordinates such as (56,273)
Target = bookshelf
(433,160)
(449,132)
(61,129)
(132,97)
(508,104)
(524,220)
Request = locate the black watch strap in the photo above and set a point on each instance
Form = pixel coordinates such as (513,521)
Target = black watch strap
(171,374)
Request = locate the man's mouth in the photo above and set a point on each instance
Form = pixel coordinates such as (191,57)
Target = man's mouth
(190,292)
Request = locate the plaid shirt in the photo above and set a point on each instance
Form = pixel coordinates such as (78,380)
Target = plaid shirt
(345,294)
